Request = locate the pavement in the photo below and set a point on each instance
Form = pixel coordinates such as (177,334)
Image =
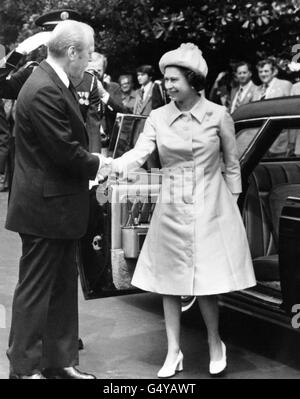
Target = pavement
(124,337)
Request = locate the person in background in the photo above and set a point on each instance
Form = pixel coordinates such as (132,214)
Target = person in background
(150,95)
(110,98)
(128,93)
(294,67)
(11,82)
(224,83)
(243,93)
(272,87)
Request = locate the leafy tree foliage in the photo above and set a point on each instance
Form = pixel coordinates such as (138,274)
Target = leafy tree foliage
(139,31)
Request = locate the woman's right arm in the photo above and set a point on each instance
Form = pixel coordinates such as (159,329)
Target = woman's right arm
(137,156)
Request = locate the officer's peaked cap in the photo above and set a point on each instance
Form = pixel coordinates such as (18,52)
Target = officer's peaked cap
(49,20)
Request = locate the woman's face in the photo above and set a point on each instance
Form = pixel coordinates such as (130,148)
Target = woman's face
(177,86)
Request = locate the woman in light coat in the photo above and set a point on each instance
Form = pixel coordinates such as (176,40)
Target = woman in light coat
(196,243)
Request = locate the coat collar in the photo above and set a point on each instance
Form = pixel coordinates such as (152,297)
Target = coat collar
(59,71)
(198,111)
(53,75)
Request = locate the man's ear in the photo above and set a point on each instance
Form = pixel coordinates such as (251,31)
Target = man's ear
(72,53)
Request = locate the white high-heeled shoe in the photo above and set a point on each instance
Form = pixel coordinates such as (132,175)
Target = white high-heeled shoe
(218,366)
(169,371)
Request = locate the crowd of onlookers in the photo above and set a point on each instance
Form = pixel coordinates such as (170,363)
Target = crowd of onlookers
(101,99)
(239,88)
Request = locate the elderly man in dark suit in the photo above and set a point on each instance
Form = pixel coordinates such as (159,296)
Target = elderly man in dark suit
(49,208)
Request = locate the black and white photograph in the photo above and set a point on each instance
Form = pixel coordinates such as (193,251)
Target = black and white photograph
(150,192)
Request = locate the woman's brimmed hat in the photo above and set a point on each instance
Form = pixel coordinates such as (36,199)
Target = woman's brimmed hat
(188,55)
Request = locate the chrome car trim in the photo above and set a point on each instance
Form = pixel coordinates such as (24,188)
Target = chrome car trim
(263,127)
(268,118)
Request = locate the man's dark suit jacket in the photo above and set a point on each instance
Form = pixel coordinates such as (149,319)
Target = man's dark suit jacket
(50,196)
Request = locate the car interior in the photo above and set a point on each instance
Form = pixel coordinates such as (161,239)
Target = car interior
(272,181)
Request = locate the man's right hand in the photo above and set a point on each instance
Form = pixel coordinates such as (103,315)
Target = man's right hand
(104,169)
(33,42)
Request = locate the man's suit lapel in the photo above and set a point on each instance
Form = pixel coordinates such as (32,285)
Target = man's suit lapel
(72,102)
(233,93)
(232,97)
(249,95)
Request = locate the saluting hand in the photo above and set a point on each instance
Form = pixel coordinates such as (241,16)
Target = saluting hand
(33,42)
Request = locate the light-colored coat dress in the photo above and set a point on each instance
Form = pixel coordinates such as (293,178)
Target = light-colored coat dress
(196,243)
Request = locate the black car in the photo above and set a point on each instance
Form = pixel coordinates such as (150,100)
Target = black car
(268,139)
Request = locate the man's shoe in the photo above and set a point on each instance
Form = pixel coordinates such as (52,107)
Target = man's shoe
(36,376)
(67,373)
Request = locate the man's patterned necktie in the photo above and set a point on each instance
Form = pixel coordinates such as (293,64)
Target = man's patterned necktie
(264,91)
(239,98)
(140,102)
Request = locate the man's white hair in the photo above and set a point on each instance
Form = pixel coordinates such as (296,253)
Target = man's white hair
(67,34)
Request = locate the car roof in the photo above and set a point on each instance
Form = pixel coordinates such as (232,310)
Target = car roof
(280,106)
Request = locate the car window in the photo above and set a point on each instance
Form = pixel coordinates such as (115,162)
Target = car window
(245,137)
(286,146)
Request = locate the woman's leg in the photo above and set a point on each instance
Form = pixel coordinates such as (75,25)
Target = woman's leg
(210,312)
(172,311)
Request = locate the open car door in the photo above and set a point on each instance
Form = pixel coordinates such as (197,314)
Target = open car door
(289,254)
(120,213)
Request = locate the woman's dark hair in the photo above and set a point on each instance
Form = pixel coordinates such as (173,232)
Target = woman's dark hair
(194,79)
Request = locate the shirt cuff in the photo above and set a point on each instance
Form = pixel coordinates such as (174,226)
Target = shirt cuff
(100,157)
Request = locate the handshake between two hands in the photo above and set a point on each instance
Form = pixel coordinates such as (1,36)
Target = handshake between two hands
(105,167)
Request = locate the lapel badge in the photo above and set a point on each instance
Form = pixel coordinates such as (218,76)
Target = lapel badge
(64,15)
